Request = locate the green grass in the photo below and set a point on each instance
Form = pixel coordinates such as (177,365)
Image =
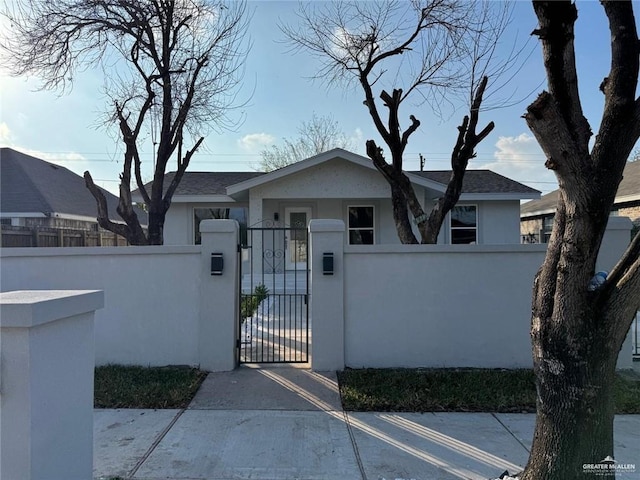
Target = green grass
(455,390)
(118,386)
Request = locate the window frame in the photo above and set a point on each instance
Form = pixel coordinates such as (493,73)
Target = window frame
(372,228)
(475,227)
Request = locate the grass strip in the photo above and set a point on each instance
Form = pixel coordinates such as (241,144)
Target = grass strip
(120,386)
(456,390)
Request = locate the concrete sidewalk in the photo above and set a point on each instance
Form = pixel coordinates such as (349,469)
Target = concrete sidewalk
(287,423)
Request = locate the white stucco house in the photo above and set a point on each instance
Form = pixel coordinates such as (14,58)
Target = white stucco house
(338,184)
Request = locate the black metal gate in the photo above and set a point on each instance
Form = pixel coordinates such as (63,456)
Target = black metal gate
(274,295)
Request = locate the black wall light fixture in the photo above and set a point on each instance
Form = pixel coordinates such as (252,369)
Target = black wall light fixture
(327,263)
(217,264)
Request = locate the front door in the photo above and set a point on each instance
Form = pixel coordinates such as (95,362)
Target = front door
(296,248)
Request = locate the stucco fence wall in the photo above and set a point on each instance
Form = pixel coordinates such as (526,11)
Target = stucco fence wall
(431,305)
(455,306)
(384,306)
(152,296)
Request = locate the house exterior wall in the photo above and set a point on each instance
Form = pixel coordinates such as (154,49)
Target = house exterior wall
(632,212)
(178,224)
(499,222)
(179,227)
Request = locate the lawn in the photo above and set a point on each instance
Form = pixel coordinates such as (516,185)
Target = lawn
(456,390)
(366,390)
(118,386)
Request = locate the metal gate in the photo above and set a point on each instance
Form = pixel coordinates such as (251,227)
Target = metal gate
(274,295)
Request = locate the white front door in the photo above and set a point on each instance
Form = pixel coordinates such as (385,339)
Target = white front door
(296,248)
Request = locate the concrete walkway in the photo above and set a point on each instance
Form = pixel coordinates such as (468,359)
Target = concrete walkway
(287,423)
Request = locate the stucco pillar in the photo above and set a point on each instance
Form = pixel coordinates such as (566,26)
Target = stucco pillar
(615,241)
(218,330)
(327,296)
(47,360)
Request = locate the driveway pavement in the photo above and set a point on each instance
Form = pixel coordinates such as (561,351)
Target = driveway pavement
(287,423)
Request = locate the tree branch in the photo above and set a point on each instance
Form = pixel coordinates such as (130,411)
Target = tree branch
(103,209)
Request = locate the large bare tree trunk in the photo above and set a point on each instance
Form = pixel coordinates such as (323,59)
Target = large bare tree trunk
(578,331)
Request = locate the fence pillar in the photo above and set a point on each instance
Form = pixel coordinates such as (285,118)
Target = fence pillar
(327,296)
(46,384)
(615,241)
(219,296)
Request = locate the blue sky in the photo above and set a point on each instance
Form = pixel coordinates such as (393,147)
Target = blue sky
(66,129)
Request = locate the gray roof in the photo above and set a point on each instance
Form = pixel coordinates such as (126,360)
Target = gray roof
(479,181)
(206,183)
(29,184)
(216,183)
(629,186)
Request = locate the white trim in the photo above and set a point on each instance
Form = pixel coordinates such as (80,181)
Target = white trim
(23,215)
(373,217)
(470,197)
(626,199)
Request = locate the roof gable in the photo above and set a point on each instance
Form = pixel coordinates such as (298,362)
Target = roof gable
(475,181)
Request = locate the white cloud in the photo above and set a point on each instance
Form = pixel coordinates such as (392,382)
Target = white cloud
(6,138)
(356,140)
(65,159)
(521,159)
(255,142)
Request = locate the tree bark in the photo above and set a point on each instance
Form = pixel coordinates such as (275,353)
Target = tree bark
(577,332)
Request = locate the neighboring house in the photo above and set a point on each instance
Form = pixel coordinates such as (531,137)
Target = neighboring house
(41,198)
(342,185)
(536,216)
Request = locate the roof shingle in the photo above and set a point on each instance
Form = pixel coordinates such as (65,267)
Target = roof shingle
(29,184)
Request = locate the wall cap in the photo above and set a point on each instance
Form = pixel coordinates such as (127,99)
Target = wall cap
(619,223)
(30,308)
(218,226)
(321,225)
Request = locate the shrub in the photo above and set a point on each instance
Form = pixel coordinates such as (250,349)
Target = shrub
(249,303)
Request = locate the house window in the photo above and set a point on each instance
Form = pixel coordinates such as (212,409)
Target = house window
(361,229)
(236,213)
(464,224)
(547,228)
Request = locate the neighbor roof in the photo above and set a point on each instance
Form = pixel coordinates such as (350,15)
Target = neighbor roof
(31,185)
(628,190)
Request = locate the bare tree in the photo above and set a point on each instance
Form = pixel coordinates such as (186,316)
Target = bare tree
(414,53)
(578,330)
(171,63)
(318,135)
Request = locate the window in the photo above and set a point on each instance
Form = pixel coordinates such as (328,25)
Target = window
(361,225)
(236,213)
(464,224)
(547,228)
